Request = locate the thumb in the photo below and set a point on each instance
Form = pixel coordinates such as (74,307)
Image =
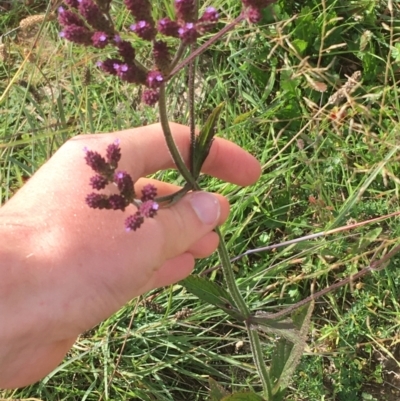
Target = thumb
(183,224)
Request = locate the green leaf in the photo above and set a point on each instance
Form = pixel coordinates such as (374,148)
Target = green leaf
(204,140)
(211,293)
(217,392)
(243,396)
(300,45)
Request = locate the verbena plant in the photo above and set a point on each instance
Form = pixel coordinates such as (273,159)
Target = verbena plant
(90,24)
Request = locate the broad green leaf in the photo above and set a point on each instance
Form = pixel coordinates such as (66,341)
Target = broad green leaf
(211,293)
(243,396)
(204,140)
(300,45)
(217,392)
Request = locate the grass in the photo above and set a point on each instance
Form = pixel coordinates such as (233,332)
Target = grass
(325,165)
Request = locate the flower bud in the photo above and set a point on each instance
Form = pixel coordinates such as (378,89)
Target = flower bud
(149,192)
(150,96)
(132,223)
(94,17)
(161,55)
(117,202)
(185,10)
(98,182)
(125,49)
(68,17)
(108,65)
(208,20)
(168,27)
(113,153)
(188,33)
(140,9)
(154,79)
(98,201)
(124,184)
(144,30)
(100,40)
(77,34)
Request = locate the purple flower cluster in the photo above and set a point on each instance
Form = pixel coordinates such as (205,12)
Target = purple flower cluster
(86,22)
(253,9)
(105,169)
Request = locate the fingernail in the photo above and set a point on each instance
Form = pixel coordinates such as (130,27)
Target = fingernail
(206,206)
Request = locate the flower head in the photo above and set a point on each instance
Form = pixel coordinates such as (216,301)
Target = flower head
(140,9)
(154,79)
(98,182)
(132,223)
(144,30)
(94,16)
(149,192)
(113,153)
(168,27)
(77,34)
(68,17)
(188,33)
(150,96)
(161,55)
(185,10)
(124,184)
(100,40)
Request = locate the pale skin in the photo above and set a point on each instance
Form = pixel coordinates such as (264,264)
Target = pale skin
(65,267)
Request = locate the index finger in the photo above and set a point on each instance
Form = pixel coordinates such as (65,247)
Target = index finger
(144,152)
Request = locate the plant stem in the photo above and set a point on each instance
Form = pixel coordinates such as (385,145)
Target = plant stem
(176,156)
(244,310)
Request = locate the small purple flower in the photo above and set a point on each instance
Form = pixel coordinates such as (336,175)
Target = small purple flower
(188,33)
(68,17)
(144,30)
(168,27)
(97,201)
(125,49)
(100,40)
(113,153)
(253,14)
(185,10)
(124,184)
(132,223)
(150,96)
(149,208)
(77,34)
(98,182)
(117,202)
(96,162)
(149,192)
(154,79)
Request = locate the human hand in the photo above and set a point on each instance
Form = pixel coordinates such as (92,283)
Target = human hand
(67,267)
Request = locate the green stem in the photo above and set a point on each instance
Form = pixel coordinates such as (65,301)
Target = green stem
(245,312)
(176,156)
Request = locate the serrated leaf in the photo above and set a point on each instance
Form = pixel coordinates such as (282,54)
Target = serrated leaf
(204,140)
(243,396)
(217,392)
(211,293)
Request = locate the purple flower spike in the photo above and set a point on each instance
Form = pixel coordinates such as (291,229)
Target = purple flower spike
(125,49)
(118,202)
(98,201)
(185,10)
(108,65)
(130,73)
(96,162)
(253,15)
(154,79)
(148,208)
(93,15)
(168,27)
(188,33)
(113,153)
(132,223)
(77,34)
(100,40)
(144,30)
(72,3)
(140,9)
(161,54)
(208,20)
(150,96)
(98,182)
(124,184)
(149,192)
(67,17)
